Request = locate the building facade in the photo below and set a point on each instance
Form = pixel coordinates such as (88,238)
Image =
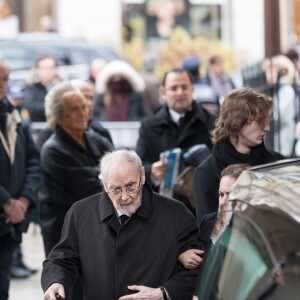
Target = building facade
(259,27)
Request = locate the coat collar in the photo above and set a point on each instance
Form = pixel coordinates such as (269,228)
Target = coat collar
(62,134)
(90,140)
(163,116)
(90,137)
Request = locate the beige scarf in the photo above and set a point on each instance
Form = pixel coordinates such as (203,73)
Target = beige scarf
(9,144)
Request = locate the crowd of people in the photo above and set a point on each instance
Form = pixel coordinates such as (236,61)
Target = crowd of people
(109,230)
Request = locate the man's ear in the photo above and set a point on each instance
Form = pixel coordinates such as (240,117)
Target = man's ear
(162,90)
(104,187)
(102,182)
(143,178)
(192,88)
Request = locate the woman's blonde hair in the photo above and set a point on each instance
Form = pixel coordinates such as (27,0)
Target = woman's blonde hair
(54,104)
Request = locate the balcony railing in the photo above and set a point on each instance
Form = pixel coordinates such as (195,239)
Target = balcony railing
(124,134)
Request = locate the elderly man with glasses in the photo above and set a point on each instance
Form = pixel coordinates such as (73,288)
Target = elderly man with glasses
(135,258)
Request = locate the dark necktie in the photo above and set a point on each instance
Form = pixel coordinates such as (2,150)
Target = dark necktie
(181,122)
(123,219)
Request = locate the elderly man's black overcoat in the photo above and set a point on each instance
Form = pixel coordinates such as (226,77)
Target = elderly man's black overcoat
(144,251)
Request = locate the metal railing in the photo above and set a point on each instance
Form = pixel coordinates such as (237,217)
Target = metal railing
(124,134)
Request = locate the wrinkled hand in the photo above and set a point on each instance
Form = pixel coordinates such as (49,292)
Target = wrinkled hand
(55,288)
(191,259)
(144,292)
(158,170)
(15,211)
(25,202)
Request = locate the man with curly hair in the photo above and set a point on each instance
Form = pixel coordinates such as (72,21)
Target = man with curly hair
(238,137)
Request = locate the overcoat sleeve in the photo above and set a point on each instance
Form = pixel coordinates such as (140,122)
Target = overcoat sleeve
(182,285)
(62,264)
(206,187)
(32,168)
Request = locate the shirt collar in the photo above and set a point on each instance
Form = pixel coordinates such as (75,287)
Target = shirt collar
(119,213)
(175,116)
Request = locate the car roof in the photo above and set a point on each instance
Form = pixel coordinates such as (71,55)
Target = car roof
(34,37)
(278,187)
(21,52)
(73,56)
(277,164)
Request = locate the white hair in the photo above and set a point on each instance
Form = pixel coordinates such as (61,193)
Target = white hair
(124,154)
(54,105)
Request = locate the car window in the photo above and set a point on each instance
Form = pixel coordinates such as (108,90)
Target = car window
(78,56)
(73,57)
(59,52)
(22,57)
(240,265)
(18,58)
(106,53)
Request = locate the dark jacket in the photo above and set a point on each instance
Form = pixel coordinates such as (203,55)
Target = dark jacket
(44,134)
(159,133)
(19,179)
(34,98)
(98,128)
(143,251)
(207,175)
(206,227)
(69,173)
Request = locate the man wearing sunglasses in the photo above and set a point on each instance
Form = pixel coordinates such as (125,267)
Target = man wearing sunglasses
(125,241)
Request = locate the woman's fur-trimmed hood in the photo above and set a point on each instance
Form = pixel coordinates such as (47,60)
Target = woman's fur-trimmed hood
(119,67)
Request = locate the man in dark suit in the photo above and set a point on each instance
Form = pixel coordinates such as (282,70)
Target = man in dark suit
(19,179)
(180,123)
(132,259)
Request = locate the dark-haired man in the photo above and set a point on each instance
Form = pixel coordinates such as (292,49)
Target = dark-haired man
(180,123)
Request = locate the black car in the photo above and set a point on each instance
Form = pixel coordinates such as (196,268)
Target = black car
(257,256)
(73,56)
